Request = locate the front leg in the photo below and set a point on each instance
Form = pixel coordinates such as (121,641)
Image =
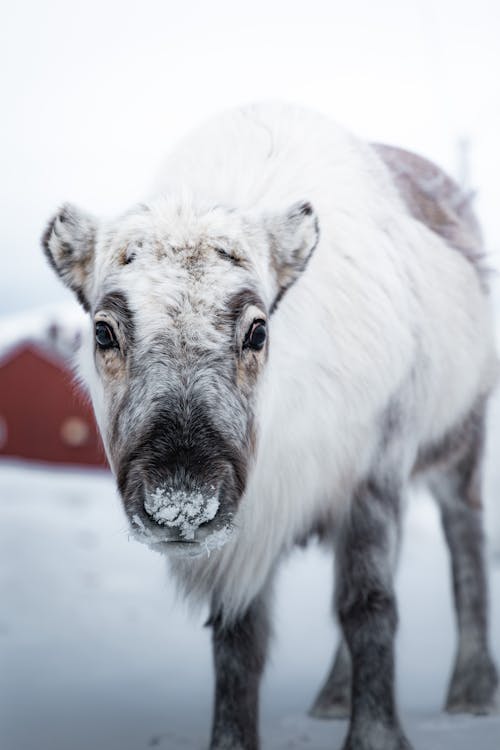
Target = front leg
(240,650)
(366,551)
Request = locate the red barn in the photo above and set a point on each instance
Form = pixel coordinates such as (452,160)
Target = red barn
(44,416)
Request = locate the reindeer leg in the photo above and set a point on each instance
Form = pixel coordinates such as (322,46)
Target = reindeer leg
(240,650)
(474,681)
(334,698)
(366,552)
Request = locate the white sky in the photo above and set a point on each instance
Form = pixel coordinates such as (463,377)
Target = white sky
(94,93)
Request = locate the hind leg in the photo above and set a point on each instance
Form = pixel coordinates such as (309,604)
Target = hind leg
(474,680)
(334,698)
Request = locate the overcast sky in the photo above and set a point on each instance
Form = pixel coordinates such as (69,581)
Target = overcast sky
(95,93)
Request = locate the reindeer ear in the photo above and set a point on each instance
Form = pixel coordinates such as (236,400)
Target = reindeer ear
(294,236)
(69,242)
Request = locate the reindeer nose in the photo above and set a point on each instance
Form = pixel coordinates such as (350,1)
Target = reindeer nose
(184,510)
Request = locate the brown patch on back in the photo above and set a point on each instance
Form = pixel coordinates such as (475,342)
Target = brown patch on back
(436,200)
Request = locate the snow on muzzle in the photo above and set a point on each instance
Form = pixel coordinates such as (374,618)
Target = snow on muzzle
(183,510)
(183,520)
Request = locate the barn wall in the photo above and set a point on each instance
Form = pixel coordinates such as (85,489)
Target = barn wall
(44,416)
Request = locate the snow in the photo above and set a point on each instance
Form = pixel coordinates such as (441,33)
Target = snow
(96,650)
(217,539)
(179,509)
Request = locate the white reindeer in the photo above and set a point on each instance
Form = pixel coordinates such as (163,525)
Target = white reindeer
(294,328)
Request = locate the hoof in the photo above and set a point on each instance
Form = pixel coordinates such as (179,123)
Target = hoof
(332,710)
(474,688)
(332,702)
(475,709)
(378,738)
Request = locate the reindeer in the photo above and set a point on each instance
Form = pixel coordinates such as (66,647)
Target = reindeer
(289,333)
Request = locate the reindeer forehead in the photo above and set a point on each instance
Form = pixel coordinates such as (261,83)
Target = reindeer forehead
(178,279)
(176,233)
(173,260)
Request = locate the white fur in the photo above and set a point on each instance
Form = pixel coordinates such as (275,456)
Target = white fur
(384,308)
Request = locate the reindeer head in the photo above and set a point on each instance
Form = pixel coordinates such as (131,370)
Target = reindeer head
(180,297)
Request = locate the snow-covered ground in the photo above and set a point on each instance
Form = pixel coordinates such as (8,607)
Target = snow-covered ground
(97,653)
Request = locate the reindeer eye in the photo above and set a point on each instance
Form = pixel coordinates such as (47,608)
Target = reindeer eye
(256,336)
(104,336)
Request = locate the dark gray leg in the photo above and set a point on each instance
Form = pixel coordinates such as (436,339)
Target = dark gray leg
(240,651)
(334,698)
(474,681)
(366,553)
